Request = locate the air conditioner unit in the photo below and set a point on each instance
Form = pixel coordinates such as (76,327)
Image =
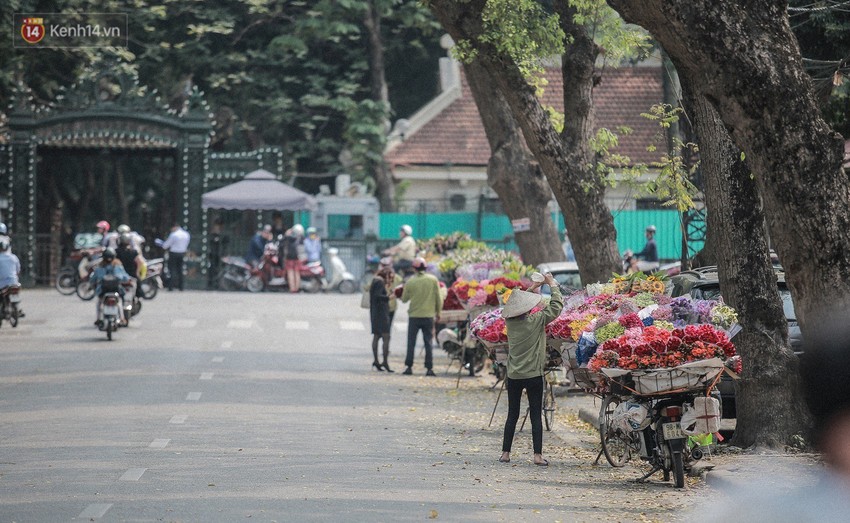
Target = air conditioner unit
(457,201)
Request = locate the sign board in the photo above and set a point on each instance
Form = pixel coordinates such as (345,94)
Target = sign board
(521,224)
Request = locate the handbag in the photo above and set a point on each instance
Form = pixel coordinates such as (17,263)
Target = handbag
(365,300)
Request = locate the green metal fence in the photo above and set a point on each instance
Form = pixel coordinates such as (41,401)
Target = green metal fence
(496,228)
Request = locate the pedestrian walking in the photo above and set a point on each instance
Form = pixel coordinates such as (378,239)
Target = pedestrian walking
(217,244)
(526,360)
(379,315)
(423,292)
(176,244)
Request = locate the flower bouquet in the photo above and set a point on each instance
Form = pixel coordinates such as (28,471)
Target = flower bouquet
(489,327)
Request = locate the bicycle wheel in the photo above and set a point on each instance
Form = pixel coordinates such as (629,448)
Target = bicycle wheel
(549,405)
(66,281)
(616,444)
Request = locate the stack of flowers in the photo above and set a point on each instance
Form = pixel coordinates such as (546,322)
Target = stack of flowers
(452,303)
(653,347)
(475,293)
(489,327)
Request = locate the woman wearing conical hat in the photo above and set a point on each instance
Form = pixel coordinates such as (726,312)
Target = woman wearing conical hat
(526,360)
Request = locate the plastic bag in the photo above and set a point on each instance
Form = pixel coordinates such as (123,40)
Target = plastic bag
(630,416)
(701,418)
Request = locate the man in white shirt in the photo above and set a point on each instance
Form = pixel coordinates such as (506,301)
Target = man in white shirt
(176,244)
(404,251)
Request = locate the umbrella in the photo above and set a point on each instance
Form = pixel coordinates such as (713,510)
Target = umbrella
(260,191)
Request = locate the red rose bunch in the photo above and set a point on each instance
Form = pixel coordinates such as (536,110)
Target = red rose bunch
(452,303)
(630,320)
(490,327)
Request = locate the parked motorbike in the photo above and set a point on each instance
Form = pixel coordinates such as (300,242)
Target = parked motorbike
(152,281)
(68,276)
(658,429)
(10,298)
(342,280)
(234,274)
(86,267)
(270,275)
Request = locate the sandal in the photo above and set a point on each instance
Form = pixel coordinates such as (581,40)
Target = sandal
(544,463)
(503,460)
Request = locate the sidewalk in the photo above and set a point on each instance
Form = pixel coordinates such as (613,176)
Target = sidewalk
(730,468)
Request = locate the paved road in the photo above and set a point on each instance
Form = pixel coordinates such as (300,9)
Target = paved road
(230,406)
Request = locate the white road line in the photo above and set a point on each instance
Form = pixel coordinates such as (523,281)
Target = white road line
(240,324)
(226,344)
(206,376)
(351,325)
(218,359)
(159,443)
(178,419)
(184,324)
(132,475)
(297,325)
(193,396)
(95,511)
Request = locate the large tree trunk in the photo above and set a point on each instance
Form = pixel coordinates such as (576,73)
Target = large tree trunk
(768,397)
(746,61)
(566,160)
(513,173)
(385,188)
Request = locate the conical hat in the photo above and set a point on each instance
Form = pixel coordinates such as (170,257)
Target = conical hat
(519,303)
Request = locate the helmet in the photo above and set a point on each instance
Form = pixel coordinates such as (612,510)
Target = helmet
(419,263)
(109,254)
(3,229)
(123,228)
(333,251)
(311,230)
(651,228)
(103,224)
(387,261)
(407,229)
(298,229)
(124,239)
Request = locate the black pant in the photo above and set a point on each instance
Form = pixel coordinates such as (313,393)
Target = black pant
(175,270)
(534,391)
(212,275)
(414,325)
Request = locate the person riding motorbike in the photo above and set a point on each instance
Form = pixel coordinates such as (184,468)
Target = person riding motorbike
(649,254)
(10,266)
(4,233)
(404,251)
(313,245)
(109,266)
(110,239)
(133,262)
(137,241)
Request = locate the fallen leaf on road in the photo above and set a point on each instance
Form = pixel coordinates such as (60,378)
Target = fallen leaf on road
(432,515)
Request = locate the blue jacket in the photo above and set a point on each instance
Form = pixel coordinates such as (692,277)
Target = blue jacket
(101,271)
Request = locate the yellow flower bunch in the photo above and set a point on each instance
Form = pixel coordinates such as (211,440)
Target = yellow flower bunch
(577,327)
(505,294)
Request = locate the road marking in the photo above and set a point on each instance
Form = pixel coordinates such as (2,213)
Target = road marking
(193,396)
(159,443)
(297,325)
(95,511)
(240,324)
(351,325)
(206,375)
(218,359)
(184,324)
(178,419)
(132,475)
(226,344)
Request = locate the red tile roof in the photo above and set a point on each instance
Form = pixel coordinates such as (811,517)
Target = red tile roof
(456,135)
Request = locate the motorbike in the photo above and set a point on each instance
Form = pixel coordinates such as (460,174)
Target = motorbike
(659,429)
(132,303)
(342,280)
(10,298)
(86,267)
(68,277)
(470,353)
(110,303)
(268,274)
(152,281)
(234,273)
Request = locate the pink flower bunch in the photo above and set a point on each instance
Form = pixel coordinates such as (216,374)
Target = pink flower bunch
(630,320)
(490,327)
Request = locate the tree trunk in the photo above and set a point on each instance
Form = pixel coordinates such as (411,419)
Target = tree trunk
(513,173)
(385,187)
(768,397)
(566,160)
(748,65)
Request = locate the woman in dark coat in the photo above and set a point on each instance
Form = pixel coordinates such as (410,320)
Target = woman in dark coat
(379,313)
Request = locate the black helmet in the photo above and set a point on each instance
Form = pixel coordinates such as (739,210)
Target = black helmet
(124,239)
(109,254)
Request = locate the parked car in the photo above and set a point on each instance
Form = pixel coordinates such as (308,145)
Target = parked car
(565,273)
(703,284)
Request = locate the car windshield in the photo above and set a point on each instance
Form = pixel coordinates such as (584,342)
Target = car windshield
(570,280)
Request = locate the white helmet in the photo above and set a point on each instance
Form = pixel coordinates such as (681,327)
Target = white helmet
(651,228)
(298,229)
(407,229)
(123,228)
